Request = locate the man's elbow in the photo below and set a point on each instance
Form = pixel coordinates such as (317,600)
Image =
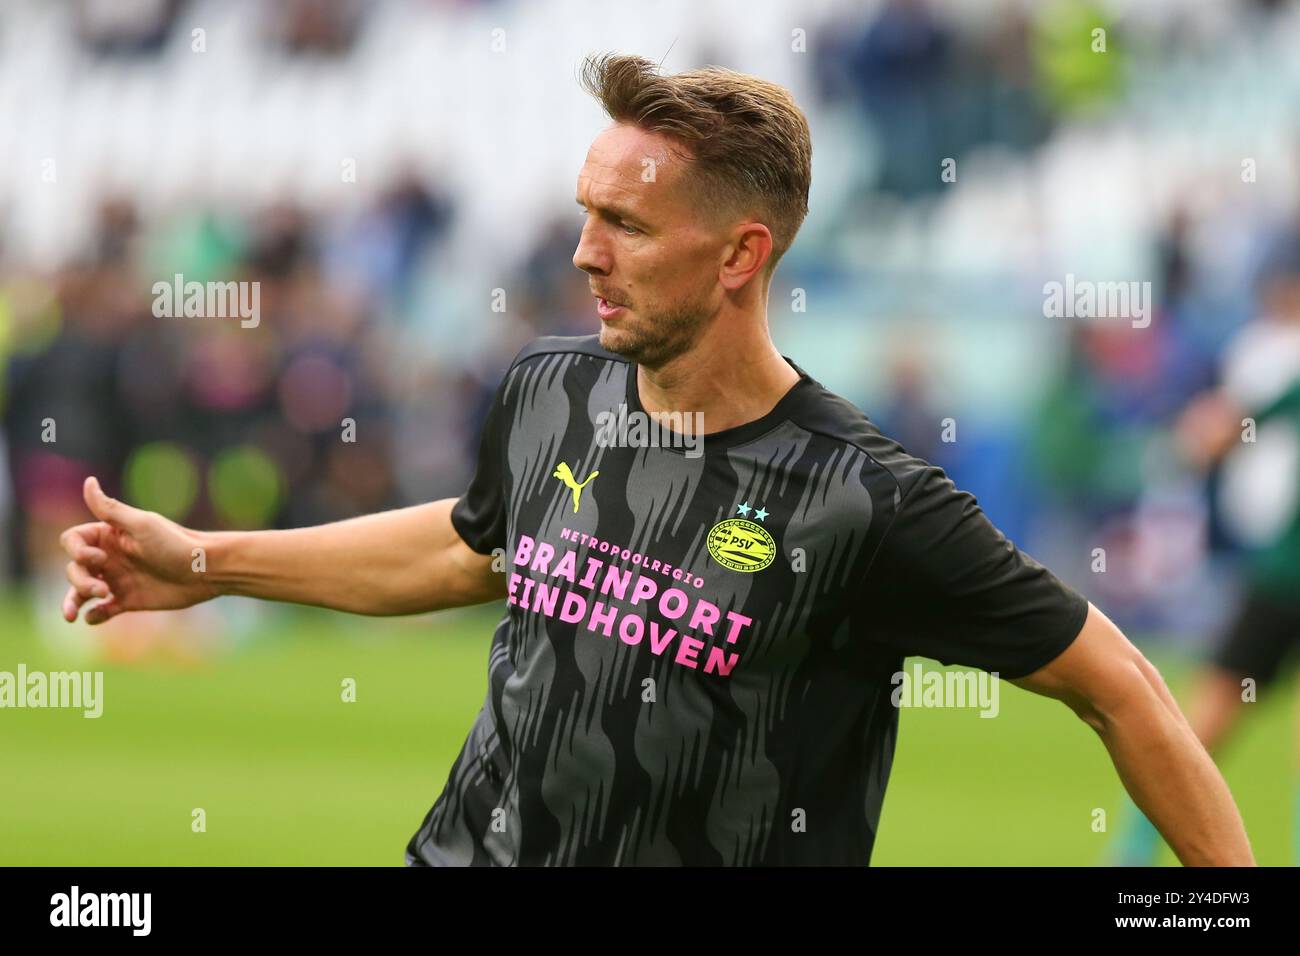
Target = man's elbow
(1103,678)
(1132,689)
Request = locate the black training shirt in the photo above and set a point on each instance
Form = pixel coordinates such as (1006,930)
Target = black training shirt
(695,662)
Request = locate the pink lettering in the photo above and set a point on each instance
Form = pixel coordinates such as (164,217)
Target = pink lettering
(620,582)
(687,648)
(737,622)
(704,616)
(589,579)
(546,598)
(677,597)
(575,606)
(644,588)
(656,645)
(630,629)
(717,663)
(602,617)
(567,566)
(544,554)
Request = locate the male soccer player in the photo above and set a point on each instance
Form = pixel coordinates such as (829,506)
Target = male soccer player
(695,662)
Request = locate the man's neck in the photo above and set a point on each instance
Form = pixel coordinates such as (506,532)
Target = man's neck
(732,375)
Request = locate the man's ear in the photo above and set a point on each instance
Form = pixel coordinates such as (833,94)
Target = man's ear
(748,253)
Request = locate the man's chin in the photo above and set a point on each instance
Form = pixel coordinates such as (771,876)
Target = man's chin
(634,348)
(650,351)
(618,341)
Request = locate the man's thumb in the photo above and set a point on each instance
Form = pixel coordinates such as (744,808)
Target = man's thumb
(102,506)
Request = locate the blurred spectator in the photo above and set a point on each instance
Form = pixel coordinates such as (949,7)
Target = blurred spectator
(326,27)
(125,27)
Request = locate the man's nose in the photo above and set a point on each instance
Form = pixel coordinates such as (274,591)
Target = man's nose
(591,256)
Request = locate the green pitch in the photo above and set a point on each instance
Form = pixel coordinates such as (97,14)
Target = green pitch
(288,773)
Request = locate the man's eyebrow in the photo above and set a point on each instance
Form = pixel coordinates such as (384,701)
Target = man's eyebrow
(616,211)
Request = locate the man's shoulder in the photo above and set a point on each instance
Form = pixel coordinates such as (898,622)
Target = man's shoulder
(834,417)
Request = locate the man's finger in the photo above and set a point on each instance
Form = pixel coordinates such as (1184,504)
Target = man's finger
(103,507)
(85,583)
(90,535)
(104,611)
(92,558)
(72,604)
(81,543)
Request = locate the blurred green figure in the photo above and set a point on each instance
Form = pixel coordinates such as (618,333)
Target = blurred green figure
(1260,391)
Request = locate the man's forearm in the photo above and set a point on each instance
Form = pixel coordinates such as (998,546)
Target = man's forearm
(405,561)
(1171,777)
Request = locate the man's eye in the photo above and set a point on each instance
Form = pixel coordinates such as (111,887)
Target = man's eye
(628,230)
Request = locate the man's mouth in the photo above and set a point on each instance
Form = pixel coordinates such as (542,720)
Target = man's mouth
(607,309)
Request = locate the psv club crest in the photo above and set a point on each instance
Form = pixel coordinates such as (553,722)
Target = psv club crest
(739,544)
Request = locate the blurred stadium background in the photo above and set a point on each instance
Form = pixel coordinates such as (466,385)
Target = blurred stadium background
(383,168)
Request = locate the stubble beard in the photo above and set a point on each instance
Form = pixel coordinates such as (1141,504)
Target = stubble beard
(656,339)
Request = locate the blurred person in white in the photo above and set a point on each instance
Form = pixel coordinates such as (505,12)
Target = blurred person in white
(1250,425)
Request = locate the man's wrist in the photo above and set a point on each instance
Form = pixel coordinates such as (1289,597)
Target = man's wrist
(216,547)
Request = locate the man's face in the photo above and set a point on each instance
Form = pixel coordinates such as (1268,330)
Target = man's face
(651,254)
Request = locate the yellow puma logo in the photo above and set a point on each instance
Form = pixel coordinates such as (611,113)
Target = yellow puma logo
(565,475)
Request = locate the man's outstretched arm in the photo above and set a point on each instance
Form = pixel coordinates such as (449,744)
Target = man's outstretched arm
(1116,691)
(406,561)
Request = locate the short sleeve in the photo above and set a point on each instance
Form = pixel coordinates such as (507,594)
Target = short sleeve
(479,515)
(945,583)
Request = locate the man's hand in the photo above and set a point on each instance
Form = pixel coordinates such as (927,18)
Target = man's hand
(135,560)
(1116,691)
